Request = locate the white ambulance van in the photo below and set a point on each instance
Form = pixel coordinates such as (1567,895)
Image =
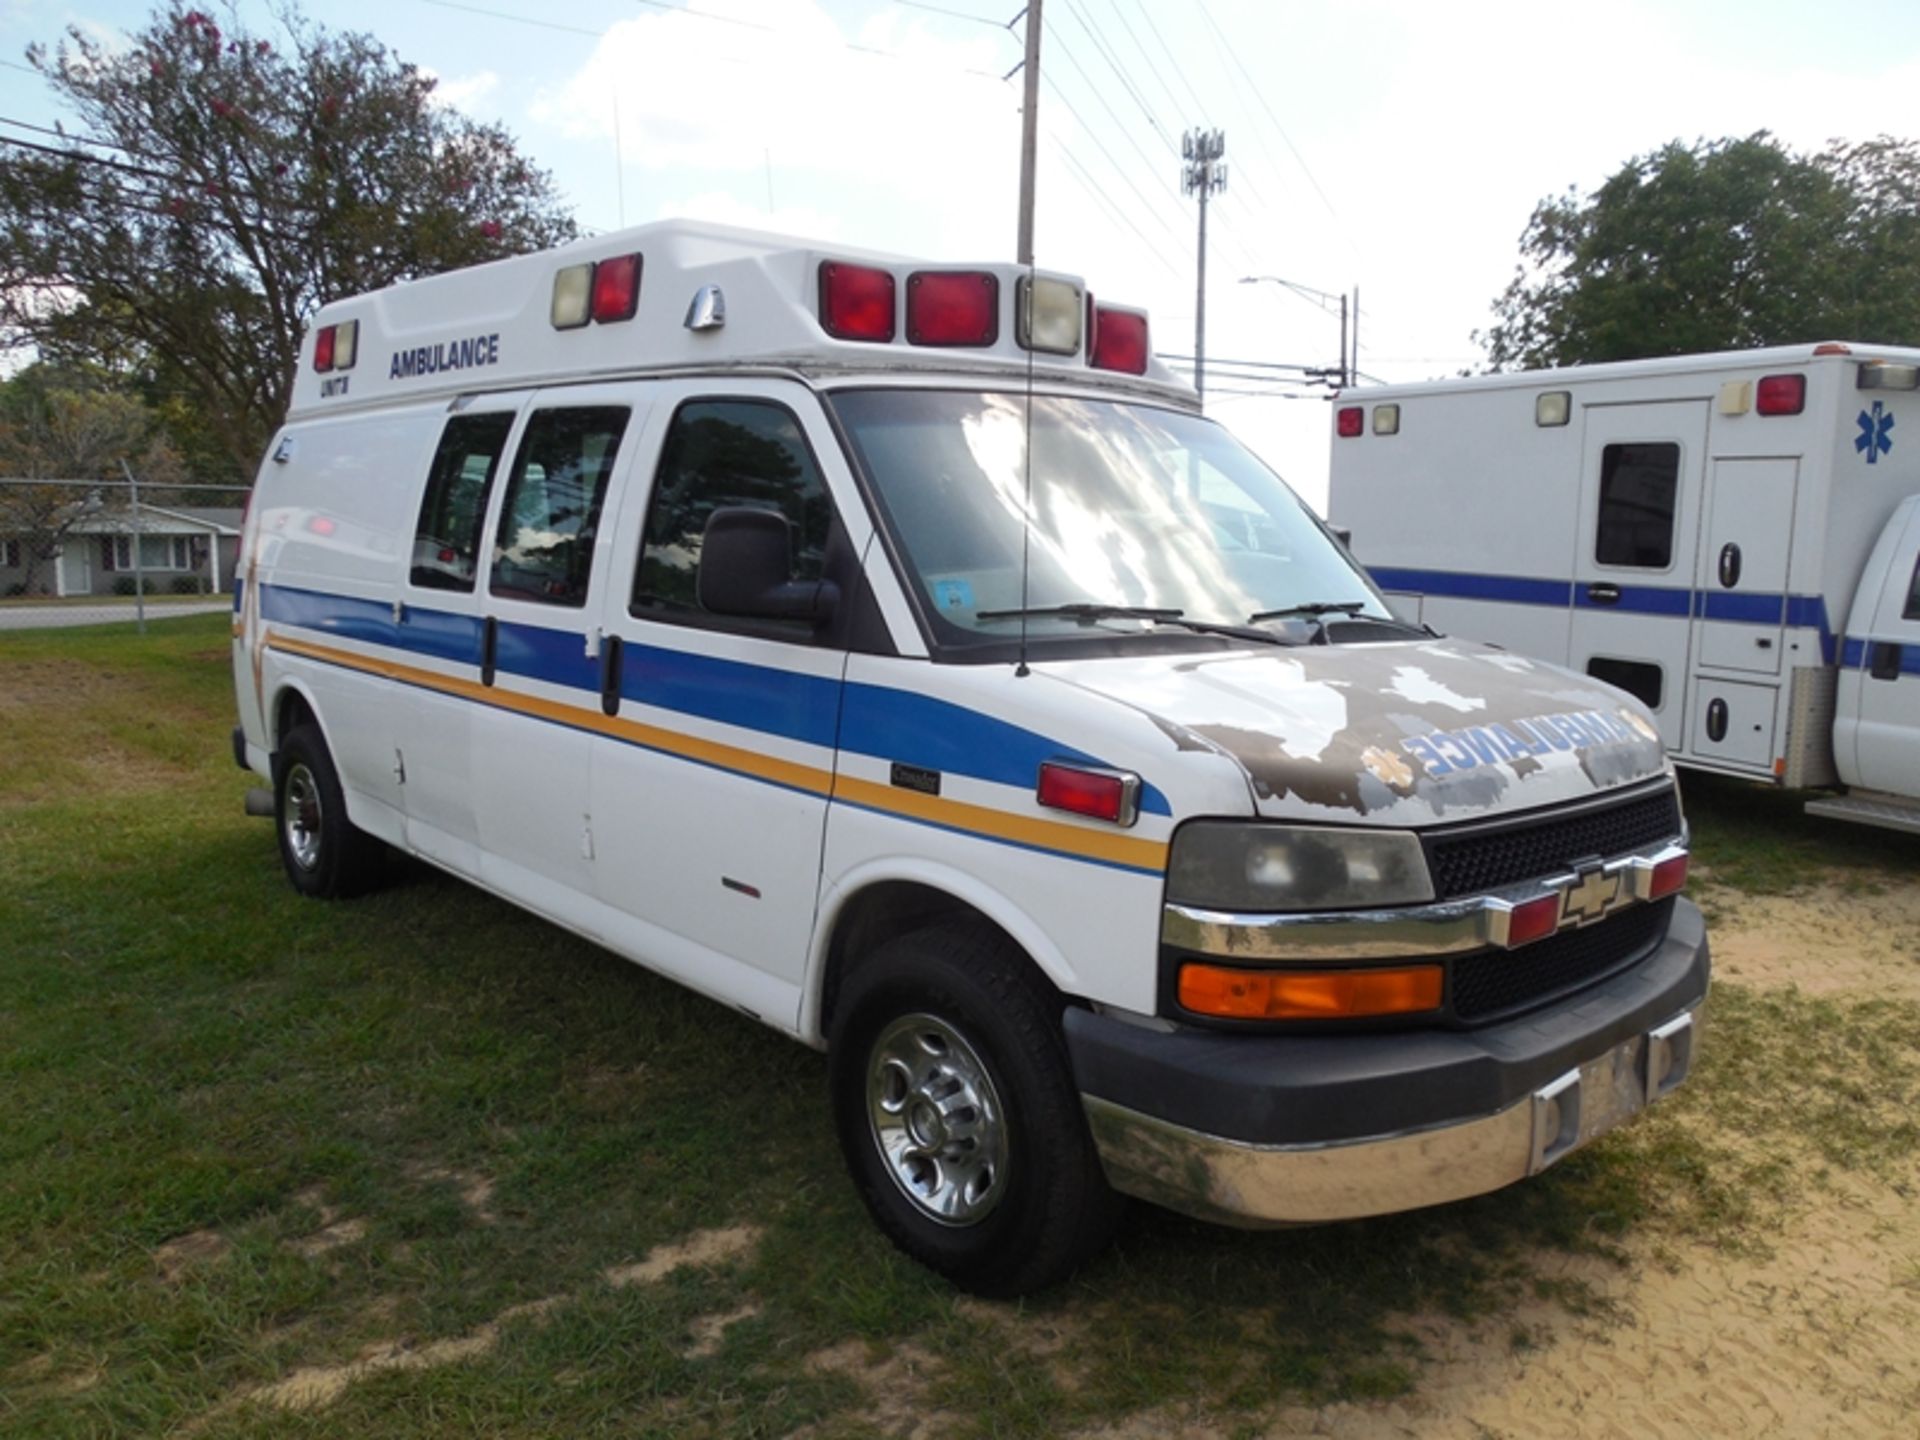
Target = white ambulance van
(1733,538)
(892,651)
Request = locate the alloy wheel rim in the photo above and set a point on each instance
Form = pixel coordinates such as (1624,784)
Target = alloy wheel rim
(937,1121)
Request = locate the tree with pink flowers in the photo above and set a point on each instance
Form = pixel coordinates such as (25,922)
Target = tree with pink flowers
(213,188)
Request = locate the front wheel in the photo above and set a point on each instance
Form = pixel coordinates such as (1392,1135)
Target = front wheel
(958,1115)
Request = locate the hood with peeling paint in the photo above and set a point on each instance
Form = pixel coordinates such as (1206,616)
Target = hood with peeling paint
(1394,734)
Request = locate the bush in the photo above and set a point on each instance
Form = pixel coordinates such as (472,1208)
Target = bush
(17,589)
(123,585)
(188,585)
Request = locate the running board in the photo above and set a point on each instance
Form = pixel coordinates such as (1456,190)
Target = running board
(1888,813)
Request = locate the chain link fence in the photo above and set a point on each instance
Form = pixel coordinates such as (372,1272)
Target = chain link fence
(96,552)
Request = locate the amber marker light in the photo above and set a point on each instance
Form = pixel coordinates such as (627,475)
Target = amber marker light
(1309,994)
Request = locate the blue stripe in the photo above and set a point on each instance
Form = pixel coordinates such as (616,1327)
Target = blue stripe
(879,721)
(1802,612)
(1519,588)
(1856,654)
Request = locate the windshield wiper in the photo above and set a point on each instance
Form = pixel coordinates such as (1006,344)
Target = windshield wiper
(1312,609)
(1086,613)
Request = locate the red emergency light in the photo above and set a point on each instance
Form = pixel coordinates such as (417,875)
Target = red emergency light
(1781,395)
(1119,341)
(1097,794)
(953,307)
(856,302)
(616,289)
(335,347)
(1350,421)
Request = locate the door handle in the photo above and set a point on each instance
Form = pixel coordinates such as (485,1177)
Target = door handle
(1885,660)
(1729,565)
(1603,594)
(610,675)
(489,649)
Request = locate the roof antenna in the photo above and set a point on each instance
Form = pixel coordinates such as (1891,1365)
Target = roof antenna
(1026,517)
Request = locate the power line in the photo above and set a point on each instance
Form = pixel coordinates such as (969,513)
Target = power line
(1234,56)
(1099,144)
(1113,63)
(956,14)
(1086,182)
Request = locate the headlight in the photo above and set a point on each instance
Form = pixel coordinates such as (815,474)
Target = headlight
(1230,865)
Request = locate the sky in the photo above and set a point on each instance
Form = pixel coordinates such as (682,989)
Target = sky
(1391,146)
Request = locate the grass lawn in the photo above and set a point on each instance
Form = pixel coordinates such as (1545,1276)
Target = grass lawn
(420,1164)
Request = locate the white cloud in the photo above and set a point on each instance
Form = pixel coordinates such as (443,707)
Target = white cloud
(466,92)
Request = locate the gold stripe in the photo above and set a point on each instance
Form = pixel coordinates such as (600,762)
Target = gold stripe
(955,814)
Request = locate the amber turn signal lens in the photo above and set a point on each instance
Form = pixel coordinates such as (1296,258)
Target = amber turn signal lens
(1309,994)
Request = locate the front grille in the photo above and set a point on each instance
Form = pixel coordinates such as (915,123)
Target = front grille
(1472,862)
(1496,982)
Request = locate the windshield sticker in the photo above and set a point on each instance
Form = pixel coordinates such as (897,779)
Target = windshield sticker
(953,594)
(1444,751)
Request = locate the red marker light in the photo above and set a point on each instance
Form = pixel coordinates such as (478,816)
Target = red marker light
(616,289)
(1351,420)
(1119,340)
(1781,395)
(856,302)
(1097,794)
(323,350)
(953,307)
(1534,920)
(1669,877)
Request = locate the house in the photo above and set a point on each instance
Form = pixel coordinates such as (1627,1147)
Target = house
(179,547)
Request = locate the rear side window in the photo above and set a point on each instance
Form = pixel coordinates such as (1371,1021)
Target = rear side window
(446,543)
(543,547)
(1638,485)
(1912,612)
(1641,679)
(720,453)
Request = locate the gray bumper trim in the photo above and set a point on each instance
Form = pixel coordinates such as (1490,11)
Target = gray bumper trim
(1237,1183)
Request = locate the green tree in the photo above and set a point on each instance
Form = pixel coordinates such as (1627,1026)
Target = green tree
(57,427)
(1714,246)
(219,187)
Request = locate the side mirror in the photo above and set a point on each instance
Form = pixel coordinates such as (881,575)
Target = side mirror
(746,569)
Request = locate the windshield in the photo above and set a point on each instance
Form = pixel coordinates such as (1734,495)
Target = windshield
(1130,506)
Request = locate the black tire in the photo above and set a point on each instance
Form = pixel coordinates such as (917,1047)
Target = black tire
(1049,1207)
(325,856)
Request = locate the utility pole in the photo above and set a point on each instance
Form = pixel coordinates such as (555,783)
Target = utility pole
(1029,127)
(1204,174)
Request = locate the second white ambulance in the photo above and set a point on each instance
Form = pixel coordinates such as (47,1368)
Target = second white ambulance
(894,653)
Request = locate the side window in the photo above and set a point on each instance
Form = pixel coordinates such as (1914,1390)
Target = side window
(1912,610)
(1638,487)
(1639,678)
(543,548)
(720,453)
(446,542)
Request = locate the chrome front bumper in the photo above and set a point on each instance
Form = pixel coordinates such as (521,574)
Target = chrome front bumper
(1250,1185)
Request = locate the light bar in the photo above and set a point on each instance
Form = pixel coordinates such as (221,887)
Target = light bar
(953,307)
(335,346)
(1885,375)
(1049,315)
(856,302)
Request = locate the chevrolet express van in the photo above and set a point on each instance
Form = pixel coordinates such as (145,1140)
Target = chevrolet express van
(893,652)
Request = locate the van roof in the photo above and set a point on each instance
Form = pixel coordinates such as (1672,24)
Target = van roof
(492,327)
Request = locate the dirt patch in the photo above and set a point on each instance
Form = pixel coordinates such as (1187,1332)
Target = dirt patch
(334,1232)
(1826,940)
(476,1190)
(709,1332)
(188,1252)
(703,1247)
(44,1376)
(896,1380)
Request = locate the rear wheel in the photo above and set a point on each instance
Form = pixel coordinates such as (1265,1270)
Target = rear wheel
(325,855)
(958,1115)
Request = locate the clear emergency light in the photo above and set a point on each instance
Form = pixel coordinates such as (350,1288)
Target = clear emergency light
(1049,315)
(601,291)
(1885,375)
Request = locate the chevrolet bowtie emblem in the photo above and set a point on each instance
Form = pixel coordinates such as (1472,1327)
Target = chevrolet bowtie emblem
(1589,897)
